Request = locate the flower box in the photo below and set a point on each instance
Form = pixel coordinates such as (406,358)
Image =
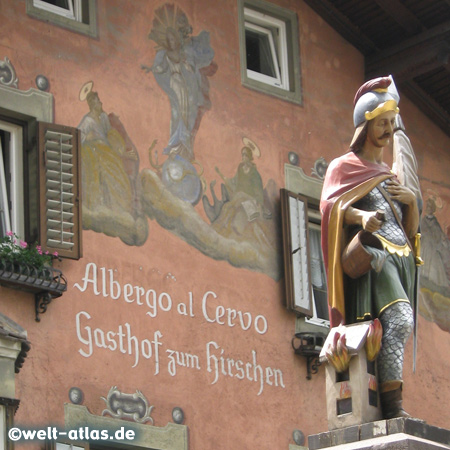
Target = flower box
(46,283)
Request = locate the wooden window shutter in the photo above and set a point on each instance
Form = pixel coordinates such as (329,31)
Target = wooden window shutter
(59,164)
(294,220)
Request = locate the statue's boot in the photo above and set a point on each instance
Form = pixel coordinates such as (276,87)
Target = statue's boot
(392,400)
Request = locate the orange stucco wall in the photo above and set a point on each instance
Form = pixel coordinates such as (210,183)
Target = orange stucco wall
(231,412)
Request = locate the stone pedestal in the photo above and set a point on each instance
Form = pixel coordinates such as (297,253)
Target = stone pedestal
(352,396)
(394,434)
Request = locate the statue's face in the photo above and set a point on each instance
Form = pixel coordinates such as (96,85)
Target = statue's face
(381,129)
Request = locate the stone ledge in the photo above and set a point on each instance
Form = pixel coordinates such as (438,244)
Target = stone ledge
(415,430)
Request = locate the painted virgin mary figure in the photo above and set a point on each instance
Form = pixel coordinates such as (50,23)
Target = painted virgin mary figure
(181,67)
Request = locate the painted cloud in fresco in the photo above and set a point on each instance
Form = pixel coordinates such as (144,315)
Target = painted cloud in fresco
(118,197)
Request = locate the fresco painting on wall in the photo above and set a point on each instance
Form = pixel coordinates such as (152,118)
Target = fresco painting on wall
(181,67)
(246,209)
(110,173)
(435,275)
(117,195)
(243,229)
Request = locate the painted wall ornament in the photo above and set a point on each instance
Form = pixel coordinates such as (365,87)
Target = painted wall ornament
(110,174)
(8,73)
(293,158)
(320,168)
(127,406)
(76,396)
(42,83)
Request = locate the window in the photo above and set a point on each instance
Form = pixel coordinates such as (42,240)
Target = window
(269,47)
(76,15)
(305,276)
(318,275)
(8,408)
(40,184)
(11,179)
(310,189)
(294,211)
(266,49)
(66,8)
(8,369)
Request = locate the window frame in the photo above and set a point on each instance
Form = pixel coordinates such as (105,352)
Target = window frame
(314,318)
(268,16)
(74,5)
(29,109)
(263,24)
(14,177)
(172,436)
(296,260)
(71,19)
(8,407)
(310,188)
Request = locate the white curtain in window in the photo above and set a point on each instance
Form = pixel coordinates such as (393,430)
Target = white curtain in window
(317,273)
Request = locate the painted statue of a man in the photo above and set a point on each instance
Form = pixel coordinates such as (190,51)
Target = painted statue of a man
(356,186)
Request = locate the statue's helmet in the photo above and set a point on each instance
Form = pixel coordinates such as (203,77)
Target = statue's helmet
(373,98)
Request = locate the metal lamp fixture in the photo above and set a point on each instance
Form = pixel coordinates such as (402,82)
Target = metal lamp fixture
(309,345)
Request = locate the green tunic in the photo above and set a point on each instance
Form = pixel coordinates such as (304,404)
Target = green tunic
(368,296)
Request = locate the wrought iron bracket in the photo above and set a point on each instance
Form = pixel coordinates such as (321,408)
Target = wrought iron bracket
(312,366)
(45,284)
(41,301)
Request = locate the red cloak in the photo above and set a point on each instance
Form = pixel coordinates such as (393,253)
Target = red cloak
(348,179)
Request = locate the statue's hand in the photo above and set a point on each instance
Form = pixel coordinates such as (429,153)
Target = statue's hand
(400,193)
(366,219)
(370,222)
